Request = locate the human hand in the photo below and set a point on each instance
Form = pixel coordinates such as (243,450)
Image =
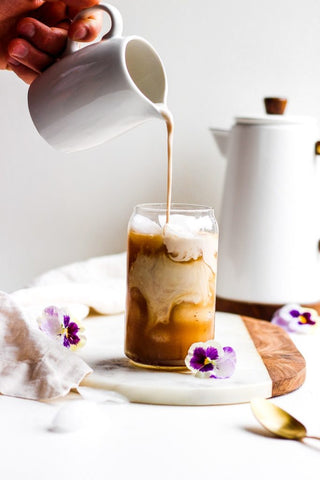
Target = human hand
(33,33)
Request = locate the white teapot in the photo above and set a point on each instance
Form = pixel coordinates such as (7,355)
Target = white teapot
(99,91)
(270,218)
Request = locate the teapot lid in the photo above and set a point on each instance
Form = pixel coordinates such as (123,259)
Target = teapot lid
(276,120)
(275,107)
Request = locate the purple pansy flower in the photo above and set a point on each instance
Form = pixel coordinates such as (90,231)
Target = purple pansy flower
(57,324)
(211,360)
(297,319)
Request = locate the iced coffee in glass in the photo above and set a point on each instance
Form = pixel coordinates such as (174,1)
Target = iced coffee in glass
(171,282)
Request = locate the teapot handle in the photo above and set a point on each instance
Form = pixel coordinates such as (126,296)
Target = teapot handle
(317,153)
(115,29)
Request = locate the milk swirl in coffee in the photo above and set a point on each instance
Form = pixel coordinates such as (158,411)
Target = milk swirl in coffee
(172,265)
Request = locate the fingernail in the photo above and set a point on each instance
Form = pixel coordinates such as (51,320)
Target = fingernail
(19,50)
(14,62)
(27,29)
(80,33)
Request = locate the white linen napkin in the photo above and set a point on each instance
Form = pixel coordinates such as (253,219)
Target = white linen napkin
(33,365)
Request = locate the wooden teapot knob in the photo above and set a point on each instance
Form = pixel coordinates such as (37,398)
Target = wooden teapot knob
(275,105)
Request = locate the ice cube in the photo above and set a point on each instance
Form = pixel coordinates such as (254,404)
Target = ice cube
(142,224)
(184,223)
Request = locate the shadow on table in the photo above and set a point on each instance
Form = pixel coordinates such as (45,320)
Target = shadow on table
(307,442)
(112,364)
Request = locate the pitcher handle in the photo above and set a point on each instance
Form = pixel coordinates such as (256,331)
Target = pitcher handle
(115,29)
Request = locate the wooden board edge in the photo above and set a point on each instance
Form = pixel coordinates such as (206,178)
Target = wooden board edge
(285,364)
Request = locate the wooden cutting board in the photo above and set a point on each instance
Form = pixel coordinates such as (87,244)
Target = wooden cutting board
(285,364)
(268,364)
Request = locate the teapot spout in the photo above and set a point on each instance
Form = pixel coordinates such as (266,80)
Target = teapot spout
(222,138)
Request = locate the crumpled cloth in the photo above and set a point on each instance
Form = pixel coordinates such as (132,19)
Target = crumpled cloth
(34,366)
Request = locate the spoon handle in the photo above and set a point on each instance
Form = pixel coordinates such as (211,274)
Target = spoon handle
(311,436)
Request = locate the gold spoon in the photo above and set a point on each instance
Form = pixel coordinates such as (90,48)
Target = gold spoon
(278,421)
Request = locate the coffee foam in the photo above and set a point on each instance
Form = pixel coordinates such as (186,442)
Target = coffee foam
(183,245)
(187,223)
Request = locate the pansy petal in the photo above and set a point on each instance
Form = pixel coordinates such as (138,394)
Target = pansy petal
(66,320)
(280,321)
(200,374)
(194,346)
(206,368)
(54,312)
(214,344)
(307,319)
(196,356)
(73,339)
(199,352)
(312,312)
(82,342)
(51,311)
(51,326)
(73,328)
(225,366)
(195,364)
(212,353)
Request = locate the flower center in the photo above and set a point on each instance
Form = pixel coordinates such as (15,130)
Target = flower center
(302,319)
(208,360)
(64,331)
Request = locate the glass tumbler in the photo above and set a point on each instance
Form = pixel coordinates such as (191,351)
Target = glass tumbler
(171,282)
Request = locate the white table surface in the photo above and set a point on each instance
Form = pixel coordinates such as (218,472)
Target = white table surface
(135,441)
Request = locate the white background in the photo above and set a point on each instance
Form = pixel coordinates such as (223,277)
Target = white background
(222,58)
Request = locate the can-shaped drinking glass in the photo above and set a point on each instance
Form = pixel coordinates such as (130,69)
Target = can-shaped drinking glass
(171,282)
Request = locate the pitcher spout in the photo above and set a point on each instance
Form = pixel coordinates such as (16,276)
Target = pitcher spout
(222,138)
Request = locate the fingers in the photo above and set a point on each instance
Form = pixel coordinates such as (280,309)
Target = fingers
(85,29)
(49,40)
(38,48)
(26,54)
(43,38)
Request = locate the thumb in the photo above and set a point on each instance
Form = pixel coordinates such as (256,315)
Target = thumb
(86,29)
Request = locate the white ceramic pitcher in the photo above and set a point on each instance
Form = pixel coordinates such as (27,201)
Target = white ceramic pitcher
(99,91)
(270,218)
